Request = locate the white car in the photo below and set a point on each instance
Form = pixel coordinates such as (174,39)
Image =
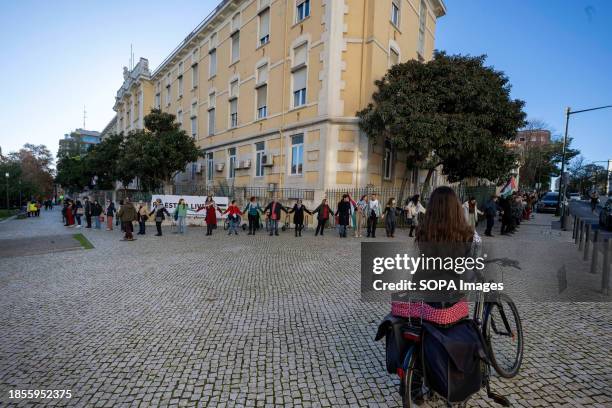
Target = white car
(574,196)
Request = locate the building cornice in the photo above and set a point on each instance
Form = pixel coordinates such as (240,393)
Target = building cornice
(439,7)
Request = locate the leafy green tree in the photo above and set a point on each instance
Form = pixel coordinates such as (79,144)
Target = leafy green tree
(541,162)
(158,153)
(72,173)
(102,161)
(452,112)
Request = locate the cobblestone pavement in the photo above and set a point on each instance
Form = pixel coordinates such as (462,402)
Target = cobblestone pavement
(243,321)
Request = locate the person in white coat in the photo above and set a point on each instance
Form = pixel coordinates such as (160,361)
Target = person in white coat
(471,212)
(413,209)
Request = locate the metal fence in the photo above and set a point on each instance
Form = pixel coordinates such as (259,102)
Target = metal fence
(243,194)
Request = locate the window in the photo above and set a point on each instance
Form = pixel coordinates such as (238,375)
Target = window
(234,113)
(262,101)
(212,70)
(158,100)
(232,163)
(194,120)
(395,12)
(387,165)
(297,154)
(209,166)
(262,74)
(235,47)
(179,117)
(234,88)
(168,94)
(264,27)
(194,76)
(300,55)
(299,87)
(180,87)
(260,149)
(303,10)
(422,27)
(236,22)
(212,100)
(394,57)
(211,122)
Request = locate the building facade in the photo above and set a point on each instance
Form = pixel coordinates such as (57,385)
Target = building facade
(269,89)
(78,142)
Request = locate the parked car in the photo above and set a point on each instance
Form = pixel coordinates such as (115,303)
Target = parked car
(574,196)
(605,215)
(548,203)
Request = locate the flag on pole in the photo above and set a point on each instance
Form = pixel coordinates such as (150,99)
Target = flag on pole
(509,188)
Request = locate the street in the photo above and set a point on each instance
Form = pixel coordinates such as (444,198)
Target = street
(253,321)
(582,209)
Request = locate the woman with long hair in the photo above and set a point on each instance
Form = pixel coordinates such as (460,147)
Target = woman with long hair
(413,209)
(324,212)
(390,216)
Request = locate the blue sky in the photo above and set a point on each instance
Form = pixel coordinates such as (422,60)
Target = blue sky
(58,56)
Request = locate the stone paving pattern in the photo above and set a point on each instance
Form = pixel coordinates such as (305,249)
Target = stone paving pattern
(242,321)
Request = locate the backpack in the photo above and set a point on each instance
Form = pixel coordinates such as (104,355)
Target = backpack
(452,360)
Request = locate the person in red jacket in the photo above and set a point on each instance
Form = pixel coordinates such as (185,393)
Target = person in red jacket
(233,213)
(211,214)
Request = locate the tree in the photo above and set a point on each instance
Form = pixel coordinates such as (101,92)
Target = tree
(72,173)
(158,153)
(102,161)
(451,111)
(30,173)
(584,178)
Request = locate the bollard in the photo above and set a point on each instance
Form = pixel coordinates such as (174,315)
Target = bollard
(575,228)
(595,251)
(605,276)
(587,240)
(580,236)
(578,221)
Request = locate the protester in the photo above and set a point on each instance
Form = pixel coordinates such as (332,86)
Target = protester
(490,210)
(390,216)
(233,215)
(70,214)
(87,210)
(471,212)
(78,212)
(373,212)
(359,210)
(64,211)
(298,211)
(180,213)
(506,219)
(413,210)
(211,215)
(96,213)
(127,213)
(31,208)
(343,215)
(117,220)
(253,210)
(143,216)
(594,201)
(110,213)
(160,215)
(273,211)
(323,212)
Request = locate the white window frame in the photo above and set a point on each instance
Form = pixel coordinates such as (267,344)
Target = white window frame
(298,148)
(396,13)
(259,153)
(299,95)
(211,121)
(195,76)
(180,87)
(231,166)
(262,111)
(422,28)
(158,100)
(261,38)
(393,50)
(210,166)
(388,163)
(235,42)
(303,5)
(179,117)
(212,63)
(233,116)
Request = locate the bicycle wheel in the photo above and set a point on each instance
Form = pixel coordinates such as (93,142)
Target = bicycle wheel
(411,384)
(503,335)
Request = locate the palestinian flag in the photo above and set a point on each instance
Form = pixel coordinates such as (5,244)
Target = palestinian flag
(509,188)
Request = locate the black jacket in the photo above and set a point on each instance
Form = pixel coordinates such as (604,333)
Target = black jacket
(159,212)
(320,212)
(96,209)
(277,210)
(344,212)
(110,210)
(298,214)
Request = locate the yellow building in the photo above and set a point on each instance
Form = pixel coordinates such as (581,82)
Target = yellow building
(270,89)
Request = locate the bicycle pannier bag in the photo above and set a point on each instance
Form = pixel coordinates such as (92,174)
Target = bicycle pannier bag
(452,360)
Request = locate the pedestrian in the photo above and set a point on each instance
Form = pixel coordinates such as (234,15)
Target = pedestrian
(64,211)
(233,214)
(273,211)
(594,201)
(253,210)
(324,212)
(143,216)
(96,213)
(373,212)
(78,213)
(506,219)
(87,210)
(160,215)
(117,220)
(110,213)
(32,208)
(490,210)
(180,213)
(413,210)
(343,213)
(211,209)
(471,212)
(389,215)
(128,214)
(70,214)
(298,211)
(359,211)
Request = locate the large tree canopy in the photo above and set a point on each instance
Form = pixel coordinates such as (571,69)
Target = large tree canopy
(452,111)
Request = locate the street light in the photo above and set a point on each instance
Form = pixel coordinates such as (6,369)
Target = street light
(7,175)
(562,183)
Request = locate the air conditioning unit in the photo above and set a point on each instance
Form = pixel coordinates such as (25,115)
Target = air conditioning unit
(267,160)
(219,167)
(245,164)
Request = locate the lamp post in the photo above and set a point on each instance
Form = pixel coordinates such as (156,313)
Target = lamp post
(7,175)
(562,183)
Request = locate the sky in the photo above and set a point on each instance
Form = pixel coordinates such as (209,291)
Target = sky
(60,56)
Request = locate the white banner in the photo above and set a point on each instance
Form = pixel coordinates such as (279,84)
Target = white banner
(193,204)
